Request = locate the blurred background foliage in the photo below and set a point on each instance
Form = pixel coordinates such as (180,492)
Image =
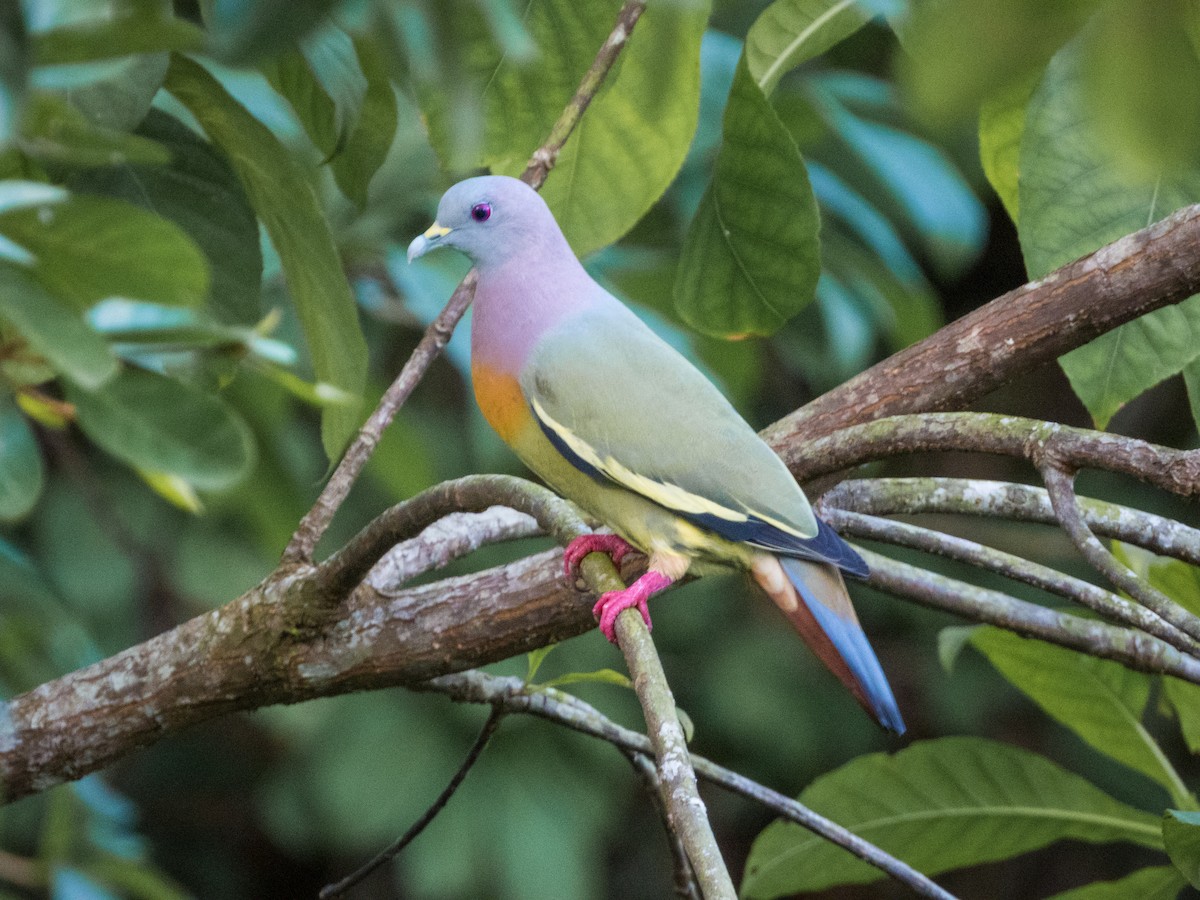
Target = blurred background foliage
(203,213)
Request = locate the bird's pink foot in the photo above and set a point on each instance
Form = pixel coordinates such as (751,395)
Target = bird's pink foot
(614,545)
(612,604)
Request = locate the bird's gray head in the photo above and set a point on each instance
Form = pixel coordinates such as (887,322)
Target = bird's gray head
(488,218)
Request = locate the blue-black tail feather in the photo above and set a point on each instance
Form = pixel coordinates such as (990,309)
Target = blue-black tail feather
(866,678)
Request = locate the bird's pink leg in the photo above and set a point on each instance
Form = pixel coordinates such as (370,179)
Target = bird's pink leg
(613,545)
(612,604)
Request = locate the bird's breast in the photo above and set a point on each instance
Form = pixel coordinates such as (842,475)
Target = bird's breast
(501,401)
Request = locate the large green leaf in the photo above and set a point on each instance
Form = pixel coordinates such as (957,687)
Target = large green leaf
(242,30)
(1101,701)
(1181,834)
(21,471)
(286,202)
(1074,199)
(372,134)
(751,257)
(54,331)
(15,57)
(129,32)
(53,131)
(163,425)
(940,805)
(790,32)
(960,52)
(89,248)
(1146,95)
(200,193)
(517,101)
(1151,883)
(1001,124)
(636,131)
(340,92)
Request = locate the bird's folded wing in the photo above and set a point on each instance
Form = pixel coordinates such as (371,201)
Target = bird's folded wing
(622,405)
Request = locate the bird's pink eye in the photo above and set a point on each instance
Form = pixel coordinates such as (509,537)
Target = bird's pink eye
(481,212)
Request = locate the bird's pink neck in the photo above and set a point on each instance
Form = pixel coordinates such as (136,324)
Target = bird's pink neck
(518,300)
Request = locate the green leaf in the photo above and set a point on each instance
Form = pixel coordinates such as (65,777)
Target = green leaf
(242,31)
(287,205)
(1151,883)
(960,52)
(133,877)
(517,102)
(22,474)
(1184,698)
(535,658)
(950,644)
(1073,200)
(58,334)
(940,805)
(113,95)
(200,193)
(14,194)
(1001,125)
(341,94)
(790,32)
(159,424)
(635,133)
(599,676)
(89,248)
(293,78)
(751,259)
(131,32)
(372,135)
(15,58)
(1146,97)
(1101,701)
(53,131)
(1181,835)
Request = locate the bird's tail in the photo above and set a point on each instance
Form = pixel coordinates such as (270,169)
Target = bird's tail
(813,596)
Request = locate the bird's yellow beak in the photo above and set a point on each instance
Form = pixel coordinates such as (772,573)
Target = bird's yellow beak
(425,242)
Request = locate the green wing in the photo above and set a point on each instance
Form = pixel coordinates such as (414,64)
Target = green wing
(620,402)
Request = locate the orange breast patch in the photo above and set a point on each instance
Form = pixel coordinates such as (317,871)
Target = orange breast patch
(500,398)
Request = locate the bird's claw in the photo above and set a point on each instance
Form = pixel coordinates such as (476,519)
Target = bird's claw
(614,545)
(612,604)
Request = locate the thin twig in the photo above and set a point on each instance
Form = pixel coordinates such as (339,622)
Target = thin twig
(300,548)
(1106,603)
(449,538)
(686,812)
(1177,471)
(565,709)
(489,728)
(1060,485)
(685,877)
(1003,499)
(1133,649)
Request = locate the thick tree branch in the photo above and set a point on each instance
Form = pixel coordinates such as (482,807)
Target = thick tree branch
(1027,327)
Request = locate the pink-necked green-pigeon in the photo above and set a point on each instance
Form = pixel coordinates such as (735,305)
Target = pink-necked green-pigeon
(616,420)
